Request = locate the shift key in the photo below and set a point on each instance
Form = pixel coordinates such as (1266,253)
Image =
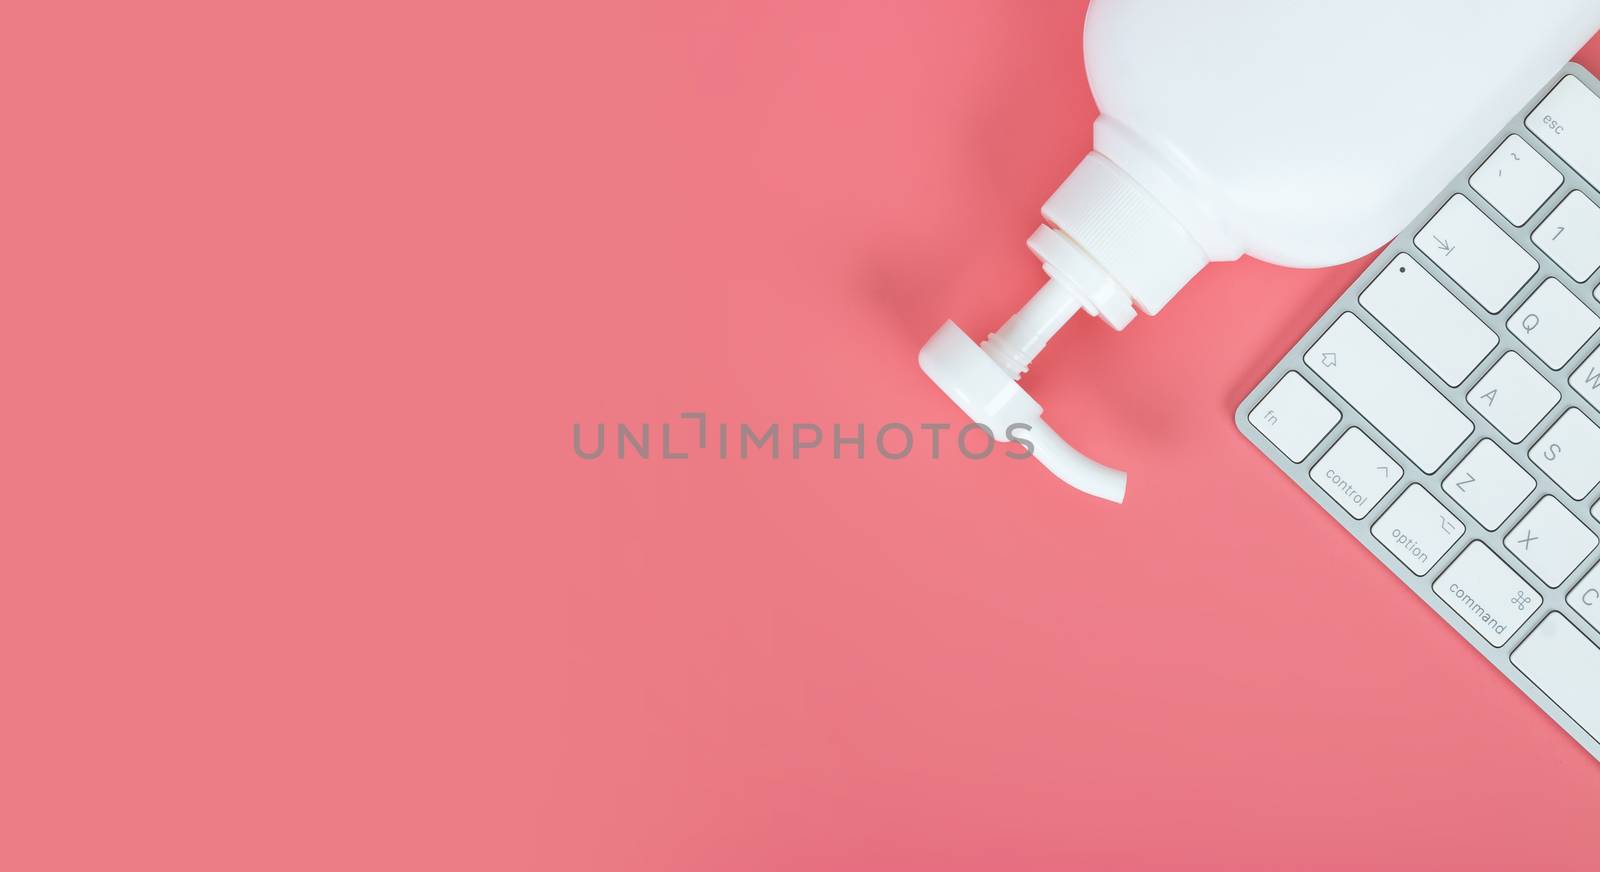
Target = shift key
(1388,392)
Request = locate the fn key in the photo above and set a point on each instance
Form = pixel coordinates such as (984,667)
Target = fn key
(1294,416)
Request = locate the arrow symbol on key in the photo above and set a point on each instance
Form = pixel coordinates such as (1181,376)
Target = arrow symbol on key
(1444,246)
(1462,484)
(1385,471)
(1330,359)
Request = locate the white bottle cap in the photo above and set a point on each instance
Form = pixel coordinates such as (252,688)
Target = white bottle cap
(1108,246)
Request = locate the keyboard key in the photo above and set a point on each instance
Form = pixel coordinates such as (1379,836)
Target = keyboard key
(1550,541)
(1569,452)
(1417,529)
(1488,484)
(1428,319)
(1478,255)
(1585,598)
(1571,236)
(1568,120)
(1356,473)
(1294,416)
(1553,323)
(1566,666)
(1487,594)
(1586,378)
(1516,180)
(1513,397)
(1399,402)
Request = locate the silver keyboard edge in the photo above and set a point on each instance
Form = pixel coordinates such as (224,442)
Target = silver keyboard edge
(1300,473)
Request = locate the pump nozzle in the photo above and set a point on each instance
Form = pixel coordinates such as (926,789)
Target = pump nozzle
(982,379)
(985,389)
(1108,245)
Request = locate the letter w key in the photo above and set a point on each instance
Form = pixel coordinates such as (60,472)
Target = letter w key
(1586,379)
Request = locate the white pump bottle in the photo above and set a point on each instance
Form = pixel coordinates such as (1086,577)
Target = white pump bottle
(1301,132)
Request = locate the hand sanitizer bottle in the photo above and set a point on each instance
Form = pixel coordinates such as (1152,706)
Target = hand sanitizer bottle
(1301,133)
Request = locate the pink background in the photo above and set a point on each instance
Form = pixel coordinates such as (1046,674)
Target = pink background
(300,570)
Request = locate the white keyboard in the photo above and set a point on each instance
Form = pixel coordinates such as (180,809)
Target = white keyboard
(1446,409)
